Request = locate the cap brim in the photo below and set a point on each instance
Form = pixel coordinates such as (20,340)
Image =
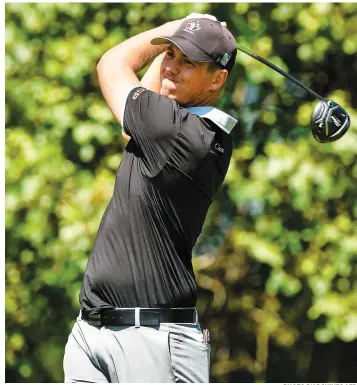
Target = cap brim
(188,48)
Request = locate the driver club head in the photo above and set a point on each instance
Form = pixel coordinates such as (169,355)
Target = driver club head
(329,121)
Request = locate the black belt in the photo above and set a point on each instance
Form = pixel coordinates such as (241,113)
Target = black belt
(145,316)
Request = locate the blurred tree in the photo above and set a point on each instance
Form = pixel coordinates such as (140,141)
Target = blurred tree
(276,262)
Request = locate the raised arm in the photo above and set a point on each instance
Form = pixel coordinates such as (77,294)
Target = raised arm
(118,67)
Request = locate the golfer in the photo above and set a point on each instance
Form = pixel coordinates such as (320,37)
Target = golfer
(138,321)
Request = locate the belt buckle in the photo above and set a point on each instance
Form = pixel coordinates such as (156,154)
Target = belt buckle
(95,319)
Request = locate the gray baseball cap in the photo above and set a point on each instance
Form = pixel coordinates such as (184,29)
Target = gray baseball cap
(203,40)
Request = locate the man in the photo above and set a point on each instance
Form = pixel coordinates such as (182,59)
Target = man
(138,321)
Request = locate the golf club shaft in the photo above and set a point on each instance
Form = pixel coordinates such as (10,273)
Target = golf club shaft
(277,69)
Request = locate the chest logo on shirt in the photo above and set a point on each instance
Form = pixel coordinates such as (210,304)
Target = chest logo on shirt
(137,93)
(219,148)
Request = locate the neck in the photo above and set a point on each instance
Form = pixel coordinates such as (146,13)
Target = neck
(209,100)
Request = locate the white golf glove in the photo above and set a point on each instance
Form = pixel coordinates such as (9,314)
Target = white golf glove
(204,16)
(200,16)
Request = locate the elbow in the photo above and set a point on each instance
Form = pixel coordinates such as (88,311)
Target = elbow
(107,60)
(101,63)
(106,67)
(109,64)
(98,64)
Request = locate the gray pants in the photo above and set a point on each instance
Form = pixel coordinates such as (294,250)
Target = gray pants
(168,353)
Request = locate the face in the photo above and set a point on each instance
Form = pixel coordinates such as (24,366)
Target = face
(187,82)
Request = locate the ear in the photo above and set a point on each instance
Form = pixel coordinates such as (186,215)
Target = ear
(219,78)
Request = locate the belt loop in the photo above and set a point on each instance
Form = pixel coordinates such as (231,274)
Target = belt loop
(196,316)
(137,317)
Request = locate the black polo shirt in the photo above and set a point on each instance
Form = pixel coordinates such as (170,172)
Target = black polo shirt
(173,165)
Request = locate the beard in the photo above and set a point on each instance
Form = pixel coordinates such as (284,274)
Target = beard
(169,89)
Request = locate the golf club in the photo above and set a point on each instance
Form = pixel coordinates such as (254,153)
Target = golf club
(329,121)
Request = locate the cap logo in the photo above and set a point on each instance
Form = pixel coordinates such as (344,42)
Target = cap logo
(192,26)
(225,59)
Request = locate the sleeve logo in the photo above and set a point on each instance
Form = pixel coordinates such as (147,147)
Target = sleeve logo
(138,92)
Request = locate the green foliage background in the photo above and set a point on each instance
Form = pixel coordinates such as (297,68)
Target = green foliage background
(276,261)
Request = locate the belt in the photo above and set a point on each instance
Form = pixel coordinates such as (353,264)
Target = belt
(140,316)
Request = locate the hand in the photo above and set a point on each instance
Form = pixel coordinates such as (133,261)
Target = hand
(195,15)
(205,16)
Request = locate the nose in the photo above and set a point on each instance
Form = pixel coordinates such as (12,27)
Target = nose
(173,67)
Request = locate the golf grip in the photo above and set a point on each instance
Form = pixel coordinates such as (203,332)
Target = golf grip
(277,69)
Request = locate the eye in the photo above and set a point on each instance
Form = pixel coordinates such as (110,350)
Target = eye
(170,54)
(186,61)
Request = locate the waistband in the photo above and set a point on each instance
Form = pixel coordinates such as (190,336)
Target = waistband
(140,316)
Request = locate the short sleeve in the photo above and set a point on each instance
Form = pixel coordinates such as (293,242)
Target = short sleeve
(153,123)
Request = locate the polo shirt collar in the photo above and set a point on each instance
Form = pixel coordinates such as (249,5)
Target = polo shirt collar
(223,120)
